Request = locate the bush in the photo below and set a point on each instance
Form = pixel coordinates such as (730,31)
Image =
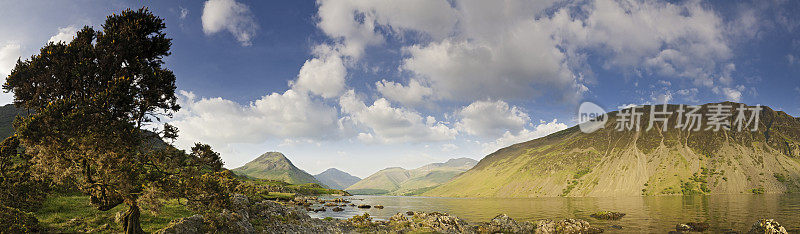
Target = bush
(13,220)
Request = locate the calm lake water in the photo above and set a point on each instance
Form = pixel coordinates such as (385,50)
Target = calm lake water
(657,214)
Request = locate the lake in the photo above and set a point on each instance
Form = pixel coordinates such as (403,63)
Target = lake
(644,214)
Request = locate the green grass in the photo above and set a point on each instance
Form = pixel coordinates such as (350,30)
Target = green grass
(75,214)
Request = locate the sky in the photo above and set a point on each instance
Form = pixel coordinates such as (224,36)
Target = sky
(361,85)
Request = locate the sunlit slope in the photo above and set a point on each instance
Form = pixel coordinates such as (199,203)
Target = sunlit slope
(275,166)
(629,163)
(399,181)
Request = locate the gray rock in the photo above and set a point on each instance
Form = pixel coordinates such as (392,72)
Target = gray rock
(767,226)
(188,225)
(567,226)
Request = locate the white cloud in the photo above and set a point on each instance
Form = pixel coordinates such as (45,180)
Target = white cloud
(386,124)
(688,94)
(491,119)
(355,22)
(9,54)
(730,94)
(65,34)
(323,75)
(232,16)
(184,12)
(543,129)
(283,116)
(410,95)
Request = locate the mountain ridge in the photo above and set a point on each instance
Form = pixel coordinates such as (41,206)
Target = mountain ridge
(634,163)
(401,181)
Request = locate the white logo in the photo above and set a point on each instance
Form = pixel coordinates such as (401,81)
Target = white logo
(591,117)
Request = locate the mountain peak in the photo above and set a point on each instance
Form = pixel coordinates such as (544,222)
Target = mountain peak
(336,179)
(275,166)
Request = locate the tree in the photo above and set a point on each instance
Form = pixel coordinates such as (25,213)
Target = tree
(92,100)
(20,189)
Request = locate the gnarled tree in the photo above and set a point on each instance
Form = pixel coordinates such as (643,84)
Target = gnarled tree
(92,100)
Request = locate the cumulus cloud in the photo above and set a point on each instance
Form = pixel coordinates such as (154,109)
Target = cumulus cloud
(9,54)
(65,34)
(323,75)
(730,94)
(410,95)
(542,129)
(383,123)
(522,49)
(229,15)
(356,22)
(491,119)
(275,116)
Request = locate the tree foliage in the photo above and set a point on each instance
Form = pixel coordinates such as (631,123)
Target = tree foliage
(93,100)
(20,189)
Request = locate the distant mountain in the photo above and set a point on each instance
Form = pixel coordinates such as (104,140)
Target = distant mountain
(7,115)
(275,166)
(336,179)
(608,162)
(399,181)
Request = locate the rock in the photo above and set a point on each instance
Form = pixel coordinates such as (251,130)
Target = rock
(698,227)
(399,217)
(618,227)
(330,204)
(767,226)
(608,215)
(442,222)
(503,222)
(565,226)
(320,209)
(409,213)
(338,209)
(193,224)
(309,209)
(378,207)
(682,227)
(692,227)
(351,204)
(364,206)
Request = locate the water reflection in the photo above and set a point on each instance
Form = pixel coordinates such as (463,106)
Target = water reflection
(645,214)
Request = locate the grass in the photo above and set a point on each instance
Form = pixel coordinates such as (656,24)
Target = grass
(72,213)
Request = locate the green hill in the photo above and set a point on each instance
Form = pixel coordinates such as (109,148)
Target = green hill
(608,162)
(399,181)
(275,166)
(336,179)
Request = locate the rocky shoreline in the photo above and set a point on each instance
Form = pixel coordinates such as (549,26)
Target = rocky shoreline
(291,217)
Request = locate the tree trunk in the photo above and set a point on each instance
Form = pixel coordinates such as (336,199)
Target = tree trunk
(130,222)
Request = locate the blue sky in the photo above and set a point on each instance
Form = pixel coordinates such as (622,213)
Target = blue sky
(362,85)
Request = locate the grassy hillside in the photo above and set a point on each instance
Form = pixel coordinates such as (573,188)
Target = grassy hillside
(275,166)
(629,163)
(336,179)
(399,181)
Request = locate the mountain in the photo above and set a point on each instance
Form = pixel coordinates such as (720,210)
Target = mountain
(608,162)
(336,179)
(275,166)
(399,181)
(7,115)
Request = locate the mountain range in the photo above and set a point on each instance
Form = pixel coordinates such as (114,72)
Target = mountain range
(608,162)
(336,179)
(400,181)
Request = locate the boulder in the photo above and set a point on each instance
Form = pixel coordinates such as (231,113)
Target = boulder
(364,206)
(378,207)
(338,209)
(767,226)
(567,226)
(608,215)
